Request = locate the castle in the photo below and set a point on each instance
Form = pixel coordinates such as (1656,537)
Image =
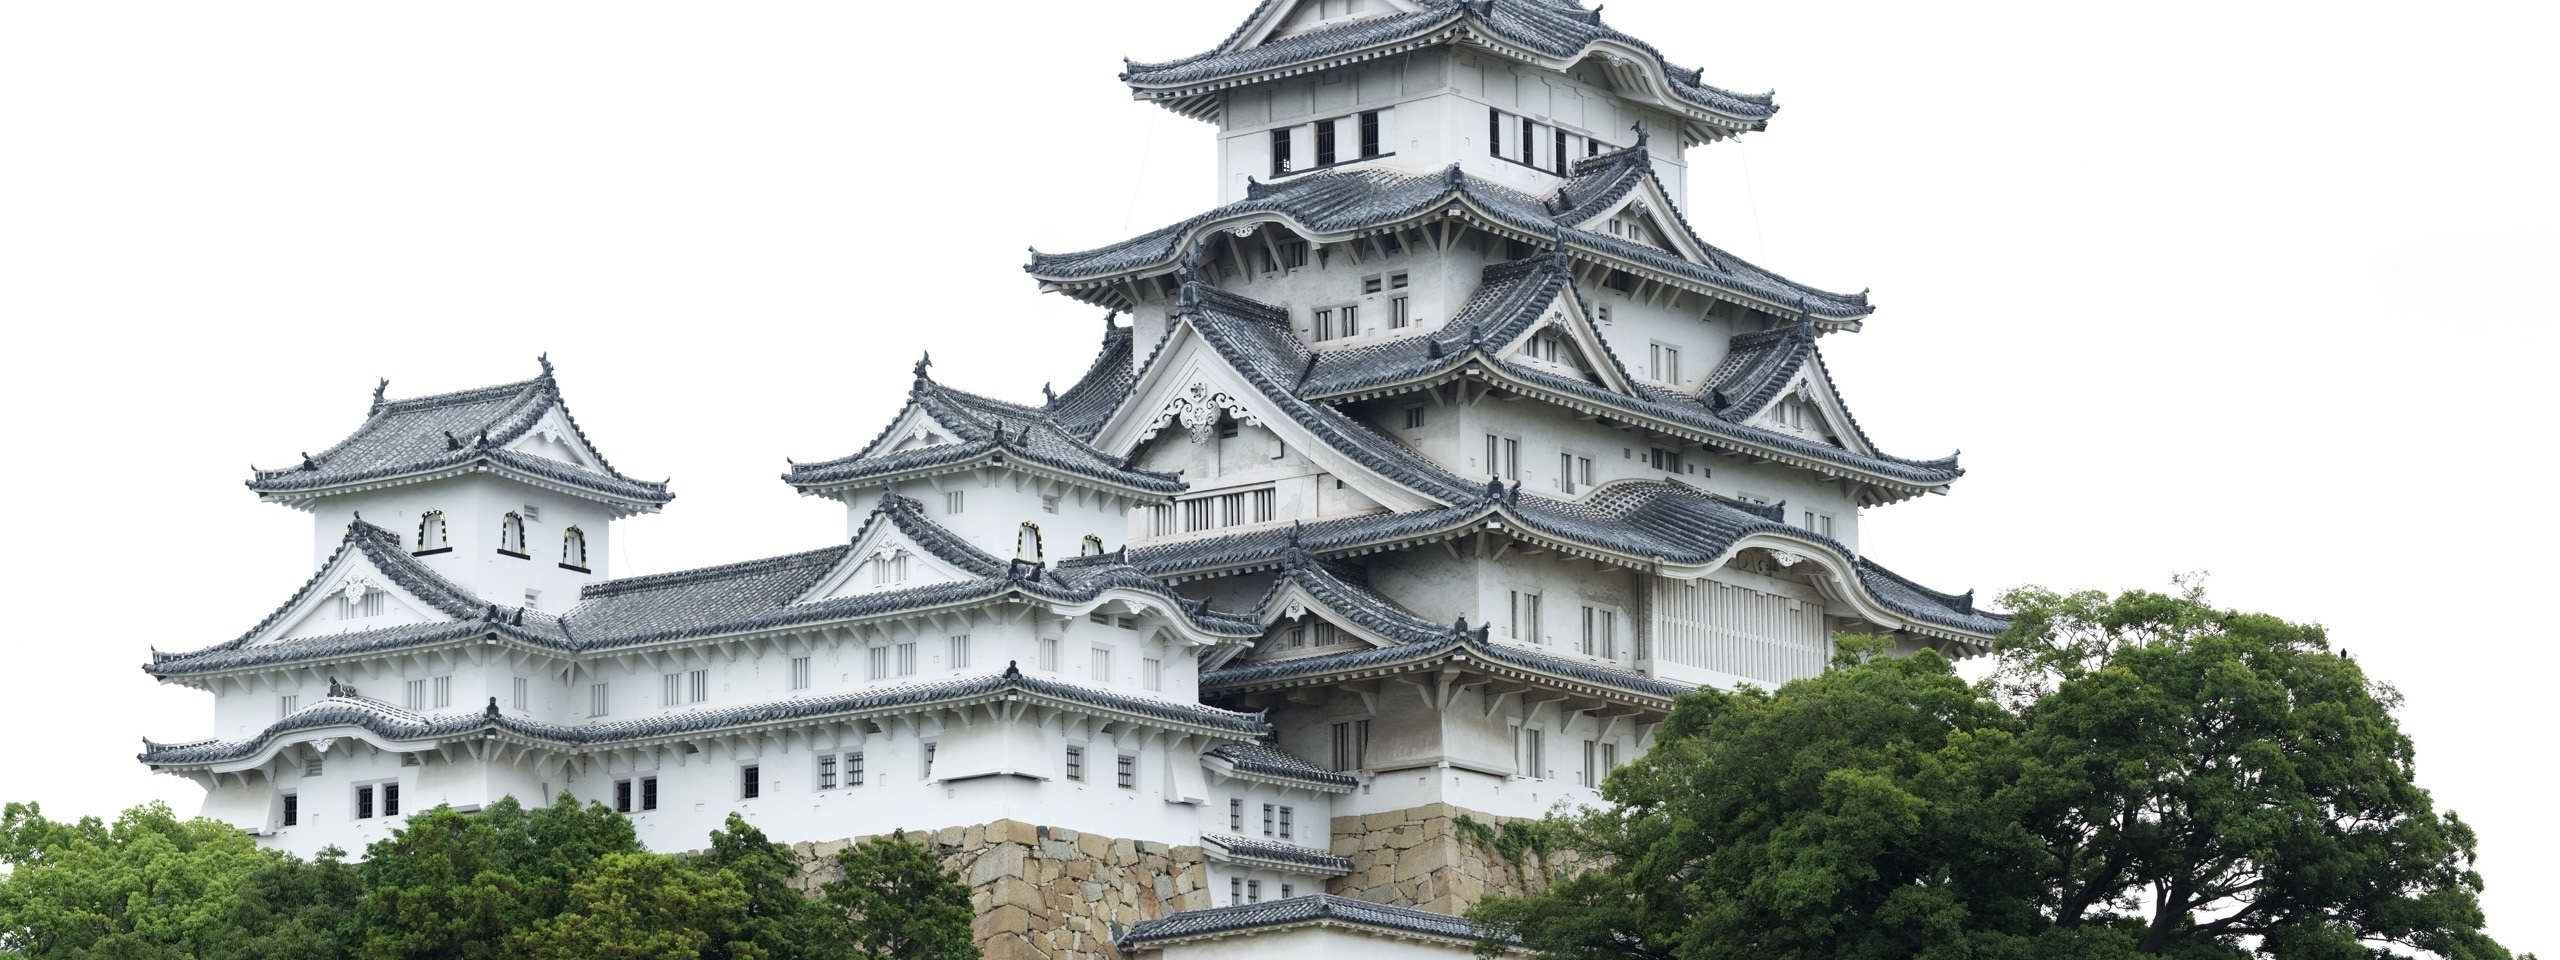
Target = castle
(1211,651)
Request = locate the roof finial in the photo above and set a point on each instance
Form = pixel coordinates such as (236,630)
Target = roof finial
(1013,670)
(1023,438)
(1049,397)
(519,618)
(1595,13)
(492,711)
(1457,180)
(544,358)
(484,436)
(1492,488)
(307,464)
(1513,497)
(924,363)
(452,442)
(1109,324)
(378,387)
(1641,136)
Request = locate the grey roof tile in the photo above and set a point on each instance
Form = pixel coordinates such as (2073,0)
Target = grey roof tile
(1367,198)
(1558,31)
(1268,760)
(1091,400)
(1280,853)
(450,431)
(403,726)
(1321,908)
(388,553)
(986,429)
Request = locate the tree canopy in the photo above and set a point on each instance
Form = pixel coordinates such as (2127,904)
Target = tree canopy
(2145,775)
(561,881)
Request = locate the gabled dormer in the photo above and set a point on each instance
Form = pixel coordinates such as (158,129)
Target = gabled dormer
(898,548)
(982,467)
(496,488)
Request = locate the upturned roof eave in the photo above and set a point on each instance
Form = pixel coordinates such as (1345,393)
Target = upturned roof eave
(627,502)
(992,456)
(1904,487)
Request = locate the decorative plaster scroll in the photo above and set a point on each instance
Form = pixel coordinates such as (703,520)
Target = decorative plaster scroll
(1785,558)
(1198,409)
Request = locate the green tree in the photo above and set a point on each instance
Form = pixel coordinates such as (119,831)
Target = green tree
(641,906)
(2146,776)
(454,886)
(777,921)
(149,885)
(898,903)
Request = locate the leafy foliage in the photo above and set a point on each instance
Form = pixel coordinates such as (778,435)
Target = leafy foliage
(562,881)
(2147,775)
(901,903)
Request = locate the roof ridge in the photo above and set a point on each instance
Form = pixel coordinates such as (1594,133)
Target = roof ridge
(652,581)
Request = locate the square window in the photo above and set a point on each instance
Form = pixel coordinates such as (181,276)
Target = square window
(599,699)
(1128,771)
(1049,504)
(285,706)
(907,659)
(826,771)
(853,769)
(1075,763)
(700,685)
(799,673)
(953,500)
(1413,417)
(1372,284)
(958,654)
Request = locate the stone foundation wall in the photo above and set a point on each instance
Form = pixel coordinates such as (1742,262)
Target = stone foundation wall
(1049,893)
(1417,857)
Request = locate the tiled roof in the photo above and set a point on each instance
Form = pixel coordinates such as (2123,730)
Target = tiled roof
(1364,199)
(394,724)
(759,595)
(690,604)
(456,432)
(1510,299)
(1756,367)
(1084,406)
(1557,33)
(1279,854)
(388,553)
(1256,338)
(985,430)
(1349,597)
(1321,908)
(1453,642)
(1662,521)
(1270,761)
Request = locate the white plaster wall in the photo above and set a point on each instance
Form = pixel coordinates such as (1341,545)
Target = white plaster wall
(1024,780)
(1254,458)
(1311,943)
(1312,811)
(1276,884)
(473,506)
(995,503)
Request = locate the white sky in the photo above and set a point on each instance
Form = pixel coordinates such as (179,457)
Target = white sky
(2248,288)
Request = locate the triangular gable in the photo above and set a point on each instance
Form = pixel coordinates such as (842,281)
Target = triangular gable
(1578,348)
(915,429)
(898,548)
(1189,382)
(1285,18)
(1301,624)
(1647,216)
(352,594)
(1810,407)
(553,438)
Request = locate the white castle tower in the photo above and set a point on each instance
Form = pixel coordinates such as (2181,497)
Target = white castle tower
(1425,472)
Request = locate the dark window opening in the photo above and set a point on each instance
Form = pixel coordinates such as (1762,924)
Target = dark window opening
(292,810)
(622,796)
(750,785)
(390,799)
(1280,152)
(364,803)
(1528,141)
(648,793)
(1369,145)
(1324,143)
(1493,132)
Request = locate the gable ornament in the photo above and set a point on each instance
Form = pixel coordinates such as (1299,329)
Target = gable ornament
(1199,409)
